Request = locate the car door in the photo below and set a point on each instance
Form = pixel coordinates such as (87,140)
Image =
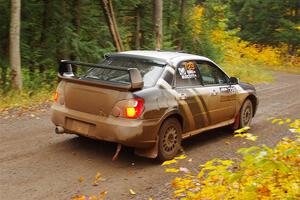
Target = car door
(187,82)
(219,96)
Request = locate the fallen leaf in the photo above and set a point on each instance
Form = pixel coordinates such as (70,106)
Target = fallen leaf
(275,120)
(79,198)
(288,120)
(104,193)
(251,137)
(98,178)
(168,162)
(171,170)
(132,192)
(247,136)
(93,197)
(181,157)
(242,130)
(190,160)
(81,179)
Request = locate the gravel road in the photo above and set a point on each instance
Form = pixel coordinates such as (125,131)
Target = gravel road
(35,163)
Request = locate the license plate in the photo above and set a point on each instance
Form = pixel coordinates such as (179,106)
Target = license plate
(80,127)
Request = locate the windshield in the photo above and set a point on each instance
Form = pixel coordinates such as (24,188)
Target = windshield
(149,70)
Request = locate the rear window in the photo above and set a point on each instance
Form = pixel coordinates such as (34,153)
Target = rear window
(150,70)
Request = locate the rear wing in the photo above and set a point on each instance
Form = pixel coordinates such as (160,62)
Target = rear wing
(67,71)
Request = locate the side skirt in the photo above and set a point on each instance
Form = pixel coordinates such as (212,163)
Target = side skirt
(198,131)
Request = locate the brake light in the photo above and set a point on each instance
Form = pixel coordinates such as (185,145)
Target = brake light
(135,108)
(131,108)
(55,96)
(130,112)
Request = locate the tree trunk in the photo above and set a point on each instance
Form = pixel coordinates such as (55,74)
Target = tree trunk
(45,24)
(180,25)
(112,24)
(14,42)
(138,28)
(76,24)
(158,23)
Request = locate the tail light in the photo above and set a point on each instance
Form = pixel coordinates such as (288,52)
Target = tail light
(55,96)
(131,108)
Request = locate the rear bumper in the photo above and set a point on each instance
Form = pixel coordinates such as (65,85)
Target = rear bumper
(135,133)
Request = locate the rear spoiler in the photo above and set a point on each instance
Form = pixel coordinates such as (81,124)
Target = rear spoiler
(66,72)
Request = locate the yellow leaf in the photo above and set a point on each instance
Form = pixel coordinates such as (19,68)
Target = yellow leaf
(239,135)
(179,192)
(275,120)
(93,197)
(104,193)
(132,192)
(168,162)
(98,176)
(242,130)
(288,120)
(81,179)
(251,137)
(79,198)
(150,198)
(172,170)
(180,157)
(281,122)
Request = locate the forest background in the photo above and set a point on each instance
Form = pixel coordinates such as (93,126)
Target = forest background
(248,38)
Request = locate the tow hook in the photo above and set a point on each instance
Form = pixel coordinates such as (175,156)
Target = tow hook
(115,157)
(59,130)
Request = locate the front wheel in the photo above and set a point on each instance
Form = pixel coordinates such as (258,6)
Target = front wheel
(246,114)
(169,139)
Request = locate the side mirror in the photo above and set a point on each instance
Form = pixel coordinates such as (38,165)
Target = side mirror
(136,79)
(233,81)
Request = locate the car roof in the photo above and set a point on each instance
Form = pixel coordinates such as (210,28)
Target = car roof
(170,57)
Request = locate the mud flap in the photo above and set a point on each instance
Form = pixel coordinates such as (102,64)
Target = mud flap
(115,157)
(148,153)
(236,122)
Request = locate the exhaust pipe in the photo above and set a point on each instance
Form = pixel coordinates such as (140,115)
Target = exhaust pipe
(59,130)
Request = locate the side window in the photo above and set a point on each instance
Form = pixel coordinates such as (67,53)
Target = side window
(211,74)
(187,74)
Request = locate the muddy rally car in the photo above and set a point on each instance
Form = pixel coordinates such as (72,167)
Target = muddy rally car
(149,100)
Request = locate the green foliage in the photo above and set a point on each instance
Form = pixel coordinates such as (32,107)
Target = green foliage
(267,22)
(262,173)
(77,30)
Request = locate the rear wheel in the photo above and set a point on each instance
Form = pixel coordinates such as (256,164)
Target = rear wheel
(246,114)
(169,139)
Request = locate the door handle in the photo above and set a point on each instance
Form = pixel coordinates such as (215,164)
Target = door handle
(214,93)
(182,96)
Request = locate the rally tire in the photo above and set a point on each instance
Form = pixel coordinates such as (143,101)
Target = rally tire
(169,139)
(246,114)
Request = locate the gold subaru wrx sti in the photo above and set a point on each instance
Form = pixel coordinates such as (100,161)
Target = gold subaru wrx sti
(149,100)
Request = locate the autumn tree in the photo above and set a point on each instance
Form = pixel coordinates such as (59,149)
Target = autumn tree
(267,22)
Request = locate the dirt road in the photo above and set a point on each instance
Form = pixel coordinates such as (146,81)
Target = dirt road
(35,163)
